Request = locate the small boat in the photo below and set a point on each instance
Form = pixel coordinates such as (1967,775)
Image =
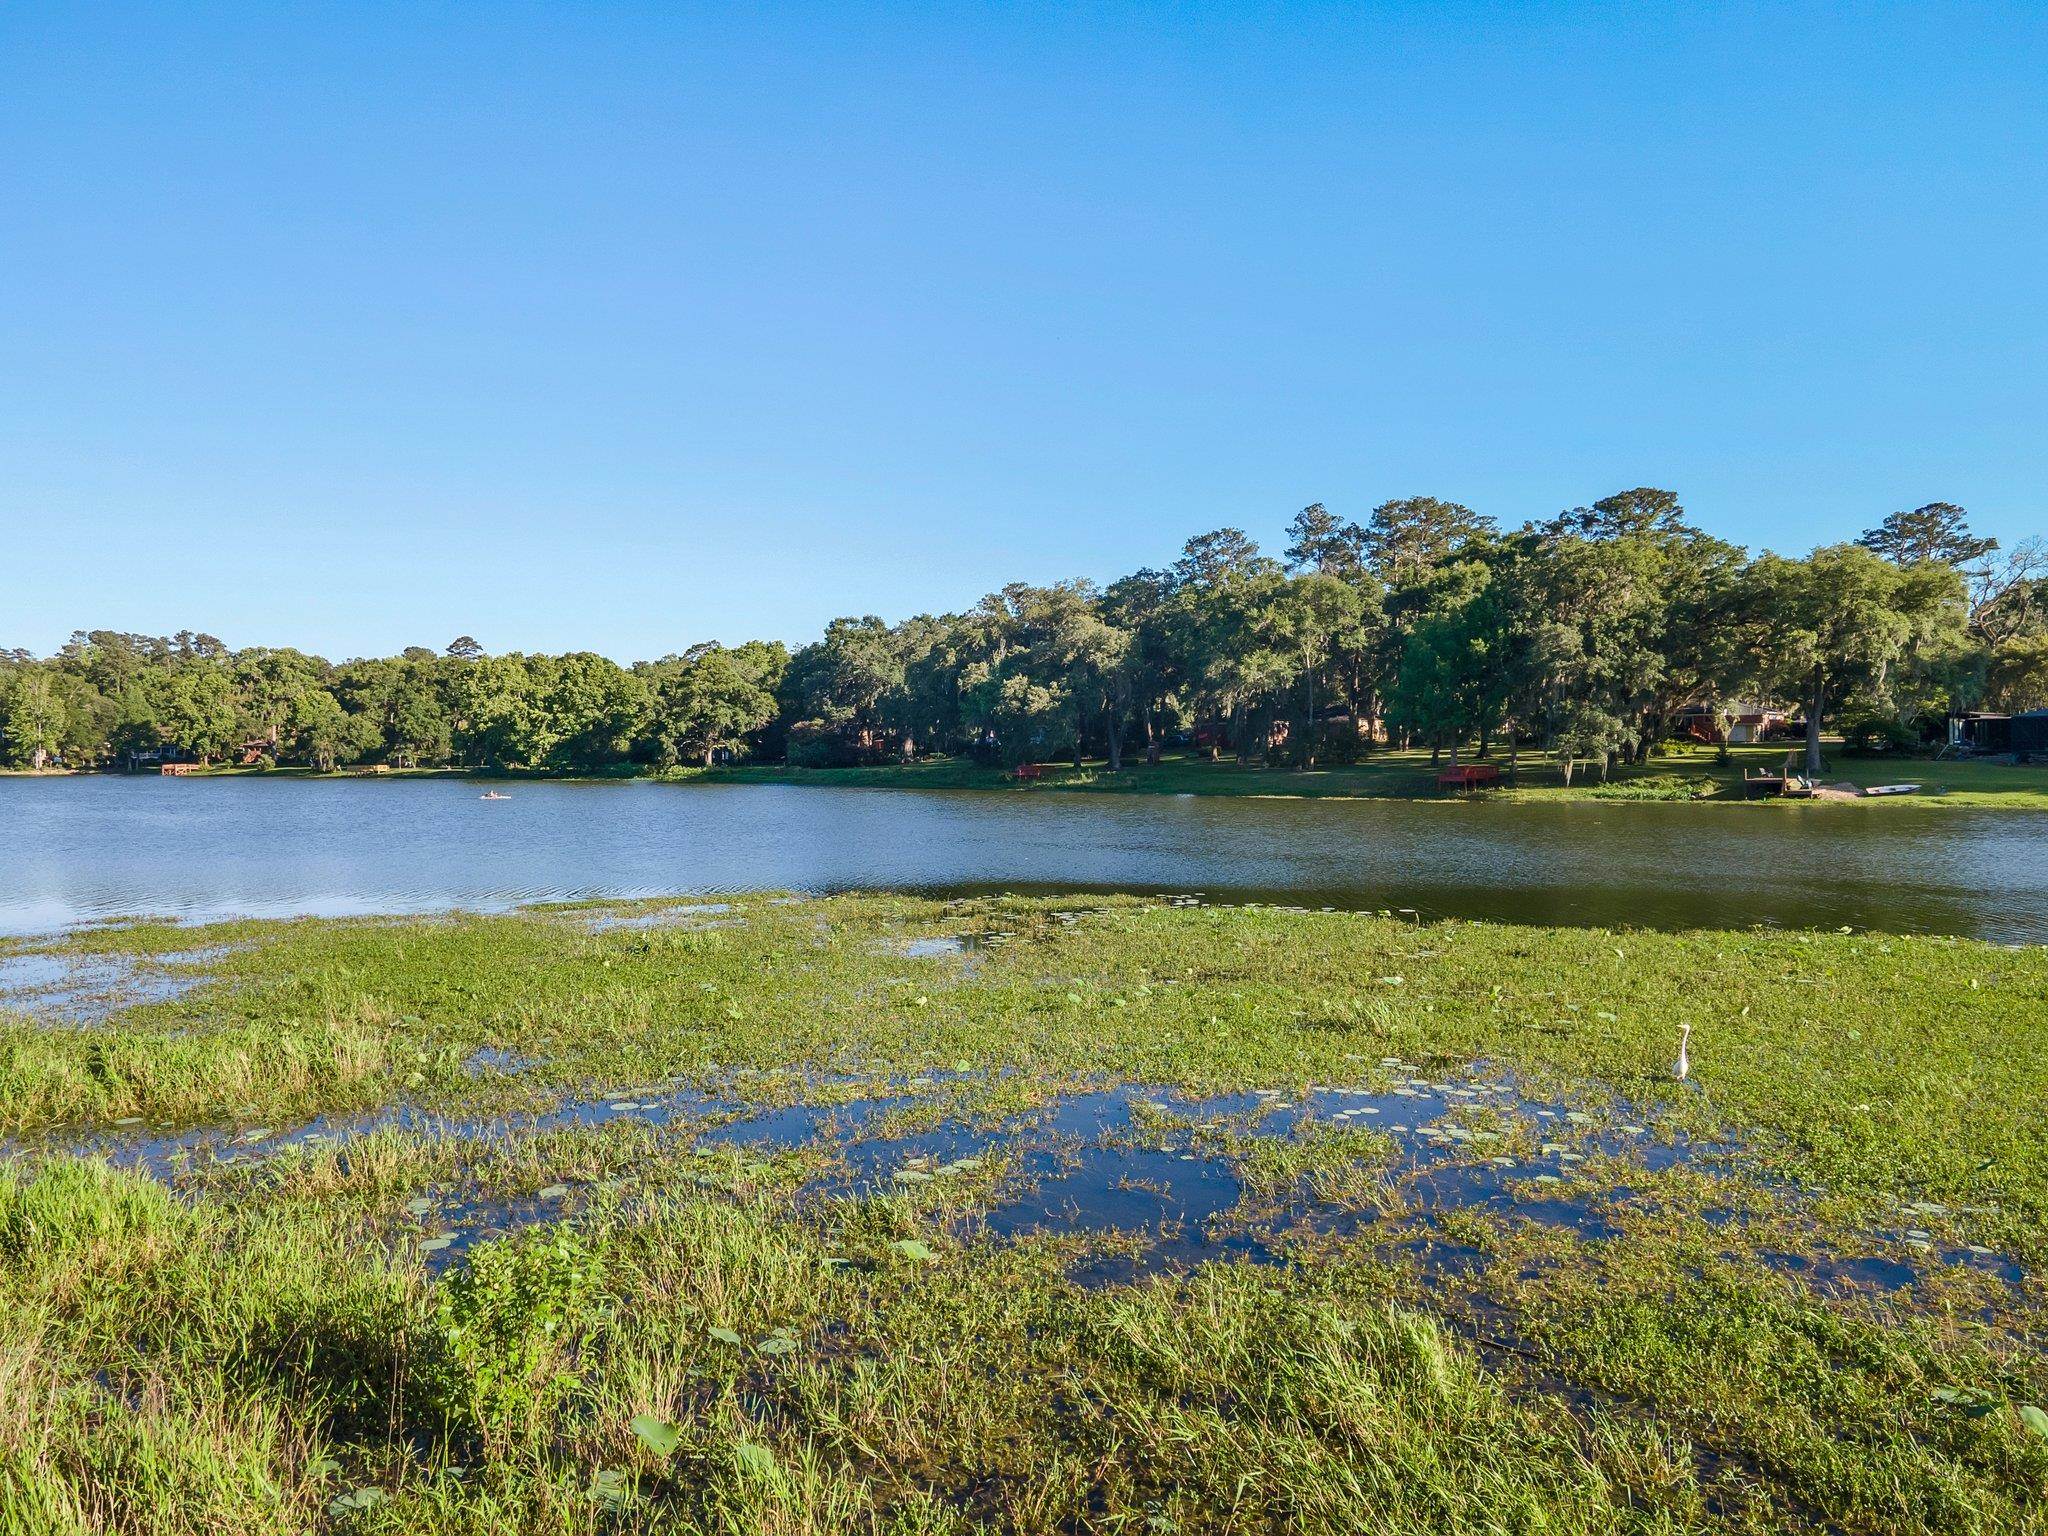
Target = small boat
(492,794)
(1893,789)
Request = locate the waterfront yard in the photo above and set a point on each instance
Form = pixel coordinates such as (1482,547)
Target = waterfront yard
(887,1214)
(1688,773)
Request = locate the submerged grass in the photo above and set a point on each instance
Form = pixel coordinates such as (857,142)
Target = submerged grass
(693,1333)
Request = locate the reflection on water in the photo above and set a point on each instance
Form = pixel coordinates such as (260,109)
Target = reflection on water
(85,989)
(1162,1171)
(86,849)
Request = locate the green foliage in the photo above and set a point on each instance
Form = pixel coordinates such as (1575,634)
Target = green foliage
(73,1211)
(1839,621)
(1586,634)
(33,718)
(1936,533)
(1657,786)
(709,701)
(494,1352)
(2018,674)
(1875,734)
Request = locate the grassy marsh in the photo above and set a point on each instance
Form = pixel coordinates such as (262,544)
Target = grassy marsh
(1132,1217)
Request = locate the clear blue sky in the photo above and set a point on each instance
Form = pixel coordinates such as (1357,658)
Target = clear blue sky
(624,326)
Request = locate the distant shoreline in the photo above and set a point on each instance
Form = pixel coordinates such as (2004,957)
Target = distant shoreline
(1405,776)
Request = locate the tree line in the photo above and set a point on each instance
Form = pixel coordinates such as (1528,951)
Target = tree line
(1585,639)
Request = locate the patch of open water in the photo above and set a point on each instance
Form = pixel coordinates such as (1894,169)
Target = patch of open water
(683,915)
(72,989)
(1160,1172)
(84,848)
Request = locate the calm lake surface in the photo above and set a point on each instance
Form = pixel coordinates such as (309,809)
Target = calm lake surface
(76,850)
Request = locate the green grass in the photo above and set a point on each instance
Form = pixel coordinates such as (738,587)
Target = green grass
(695,1344)
(1692,774)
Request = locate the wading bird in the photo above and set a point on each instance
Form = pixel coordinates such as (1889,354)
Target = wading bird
(1682,1068)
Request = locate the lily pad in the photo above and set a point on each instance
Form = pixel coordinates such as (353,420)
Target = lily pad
(727,1336)
(911,1248)
(657,1435)
(756,1459)
(608,1487)
(356,1500)
(1974,1401)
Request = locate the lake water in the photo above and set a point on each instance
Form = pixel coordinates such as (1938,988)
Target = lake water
(75,850)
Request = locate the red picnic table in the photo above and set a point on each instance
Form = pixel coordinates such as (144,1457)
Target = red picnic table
(1468,776)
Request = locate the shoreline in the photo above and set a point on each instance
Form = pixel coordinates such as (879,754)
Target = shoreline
(1392,776)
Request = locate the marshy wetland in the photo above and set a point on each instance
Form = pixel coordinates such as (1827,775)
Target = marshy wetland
(895,1213)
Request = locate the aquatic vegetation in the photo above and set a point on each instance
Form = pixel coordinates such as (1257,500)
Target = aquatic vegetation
(492,1353)
(1157,1217)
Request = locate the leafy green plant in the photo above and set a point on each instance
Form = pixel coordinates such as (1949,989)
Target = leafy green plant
(498,1337)
(1876,735)
(658,1435)
(1659,786)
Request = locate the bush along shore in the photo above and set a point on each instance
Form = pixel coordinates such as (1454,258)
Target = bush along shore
(883,1214)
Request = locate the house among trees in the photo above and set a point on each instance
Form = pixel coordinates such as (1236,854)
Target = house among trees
(1737,724)
(2030,733)
(1972,732)
(1751,723)
(1984,735)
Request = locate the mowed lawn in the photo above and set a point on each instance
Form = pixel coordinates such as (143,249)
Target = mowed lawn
(1692,774)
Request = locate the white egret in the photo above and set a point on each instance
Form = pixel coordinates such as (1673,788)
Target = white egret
(1683,1067)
